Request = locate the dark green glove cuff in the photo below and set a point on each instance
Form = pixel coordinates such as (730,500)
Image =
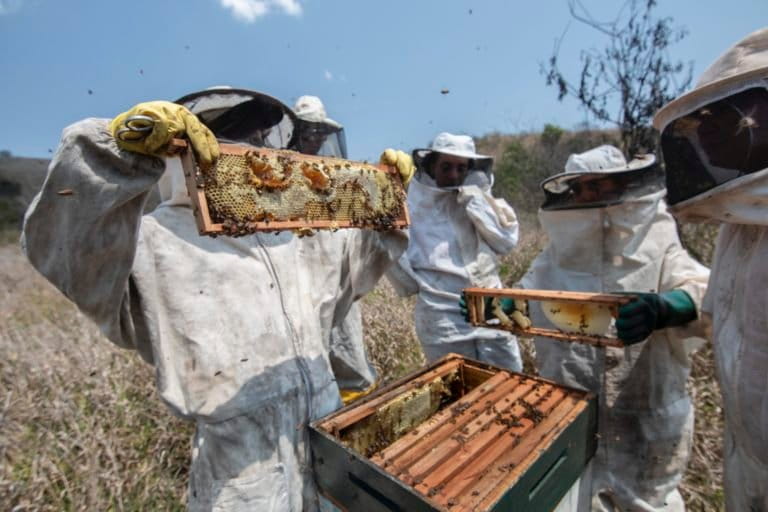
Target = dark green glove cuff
(652,311)
(675,308)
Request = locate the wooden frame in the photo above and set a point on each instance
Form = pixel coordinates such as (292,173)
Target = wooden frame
(207,226)
(476,309)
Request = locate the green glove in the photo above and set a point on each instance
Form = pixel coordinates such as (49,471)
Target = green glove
(402,161)
(652,311)
(170,120)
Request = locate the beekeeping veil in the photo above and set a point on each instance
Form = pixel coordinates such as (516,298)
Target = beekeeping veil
(234,116)
(714,139)
(601,177)
(318,134)
(244,116)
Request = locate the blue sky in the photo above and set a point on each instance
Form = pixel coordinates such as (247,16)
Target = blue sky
(378,66)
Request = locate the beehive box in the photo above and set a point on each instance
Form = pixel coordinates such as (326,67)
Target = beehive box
(253,189)
(457,435)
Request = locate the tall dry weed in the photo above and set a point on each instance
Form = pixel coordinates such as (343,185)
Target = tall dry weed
(81,427)
(390,337)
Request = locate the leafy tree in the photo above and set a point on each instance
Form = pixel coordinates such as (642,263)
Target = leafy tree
(551,135)
(634,68)
(514,172)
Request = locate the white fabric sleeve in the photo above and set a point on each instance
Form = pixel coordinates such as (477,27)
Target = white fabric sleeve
(493,218)
(403,278)
(81,230)
(368,255)
(681,271)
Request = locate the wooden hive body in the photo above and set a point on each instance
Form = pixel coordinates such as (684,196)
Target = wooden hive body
(457,435)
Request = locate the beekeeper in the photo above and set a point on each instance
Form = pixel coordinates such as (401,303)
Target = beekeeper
(458,232)
(609,230)
(228,322)
(715,145)
(318,134)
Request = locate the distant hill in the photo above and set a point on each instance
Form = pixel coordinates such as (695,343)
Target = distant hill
(20,179)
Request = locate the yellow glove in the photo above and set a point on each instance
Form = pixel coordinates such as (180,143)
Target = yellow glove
(349,395)
(170,120)
(402,161)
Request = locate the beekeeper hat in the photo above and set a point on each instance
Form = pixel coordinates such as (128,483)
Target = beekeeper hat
(743,64)
(311,108)
(456,145)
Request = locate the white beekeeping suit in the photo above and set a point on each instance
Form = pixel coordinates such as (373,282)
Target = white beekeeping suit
(229,323)
(622,242)
(456,237)
(341,315)
(321,135)
(715,147)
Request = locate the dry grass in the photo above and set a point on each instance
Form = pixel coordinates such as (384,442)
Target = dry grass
(703,481)
(81,427)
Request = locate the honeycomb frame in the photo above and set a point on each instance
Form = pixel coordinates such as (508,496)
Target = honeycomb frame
(250,190)
(475,298)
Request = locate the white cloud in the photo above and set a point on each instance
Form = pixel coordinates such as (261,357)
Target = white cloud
(292,7)
(251,10)
(328,75)
(9,6)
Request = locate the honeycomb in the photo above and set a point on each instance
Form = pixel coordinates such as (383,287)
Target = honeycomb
(261,189)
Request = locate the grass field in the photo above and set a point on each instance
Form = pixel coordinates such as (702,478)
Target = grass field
(81,426)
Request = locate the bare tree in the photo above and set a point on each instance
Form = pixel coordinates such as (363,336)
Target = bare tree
(634,68)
